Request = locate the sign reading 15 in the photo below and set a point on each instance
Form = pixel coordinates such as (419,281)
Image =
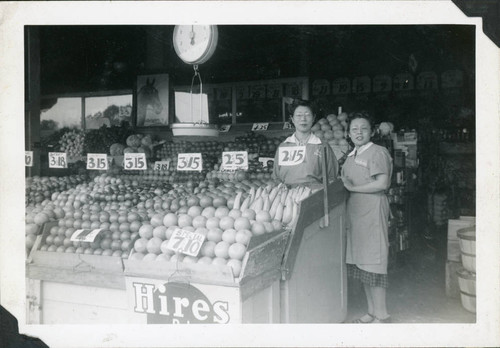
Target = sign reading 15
(189,162)
(291,155)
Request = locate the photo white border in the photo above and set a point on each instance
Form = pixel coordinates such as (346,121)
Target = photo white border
(13,17)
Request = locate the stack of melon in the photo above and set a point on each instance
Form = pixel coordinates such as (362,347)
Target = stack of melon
(333,129)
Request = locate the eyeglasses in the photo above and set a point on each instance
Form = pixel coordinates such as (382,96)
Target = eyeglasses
(363,129)
(306,115)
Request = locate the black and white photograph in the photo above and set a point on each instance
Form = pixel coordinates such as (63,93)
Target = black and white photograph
(340,187)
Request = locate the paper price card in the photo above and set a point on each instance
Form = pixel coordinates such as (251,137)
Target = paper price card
(85,235)
(186,242)
(57,160)
(97,161)
(28,158)
(135,161)
(224,128)
(233,160)
(189,162)
(287,125)
(260,126)
(291,155)
(266,161)
(162,165)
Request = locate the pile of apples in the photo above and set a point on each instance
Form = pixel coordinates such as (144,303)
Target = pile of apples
(333,129)
(72,143)
(41,188)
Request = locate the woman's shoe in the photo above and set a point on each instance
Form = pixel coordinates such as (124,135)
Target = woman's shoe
(381,321)
(365,319)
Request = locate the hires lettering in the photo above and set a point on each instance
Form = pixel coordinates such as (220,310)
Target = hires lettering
(164,306)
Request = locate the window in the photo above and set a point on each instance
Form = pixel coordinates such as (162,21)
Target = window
(65,112)
(108,110)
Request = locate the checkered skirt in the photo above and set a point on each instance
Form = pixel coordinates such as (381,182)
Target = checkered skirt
(371,279)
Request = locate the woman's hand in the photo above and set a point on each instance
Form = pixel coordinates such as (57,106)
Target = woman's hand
(347,183)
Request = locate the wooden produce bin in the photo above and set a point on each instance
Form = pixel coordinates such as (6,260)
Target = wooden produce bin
(66,288)
(314,282)
(169,292)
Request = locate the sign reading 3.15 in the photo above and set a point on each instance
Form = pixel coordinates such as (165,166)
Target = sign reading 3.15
(97,161)
(28,158)
(135,161)
(57,160)
(186,242)
(291,155)
(189,162)
(233,160)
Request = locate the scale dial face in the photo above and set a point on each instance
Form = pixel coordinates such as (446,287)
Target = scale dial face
(195,44)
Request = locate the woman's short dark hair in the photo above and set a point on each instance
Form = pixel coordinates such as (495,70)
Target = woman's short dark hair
(295,103)
(360,114)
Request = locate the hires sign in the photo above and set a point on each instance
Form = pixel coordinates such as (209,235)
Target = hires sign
(179,303)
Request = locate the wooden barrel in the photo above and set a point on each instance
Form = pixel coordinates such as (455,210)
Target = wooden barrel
(467,240)
(467,284)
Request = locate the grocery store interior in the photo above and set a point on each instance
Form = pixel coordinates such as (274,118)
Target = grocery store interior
(85,95)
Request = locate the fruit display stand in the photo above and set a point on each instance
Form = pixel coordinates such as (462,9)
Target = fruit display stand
(196,293)
(68,288)
(314,283)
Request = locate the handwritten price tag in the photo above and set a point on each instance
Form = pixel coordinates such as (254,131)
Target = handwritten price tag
(57,160)
(85,235)
(291,155)
(189,162)
(260,126)
(287,125)
(135,161)
(233,160)
(28,158)
(186,242)
(225,128)
(162,165)
(265,161)
(97,161)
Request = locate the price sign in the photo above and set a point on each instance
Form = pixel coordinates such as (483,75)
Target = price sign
(135,161)
(258,92)
(85,235)
(452,79)
(260,126)
(320,87)
(162,165)
(242,92)
(427,80)
(291,155)
(233,160)
(265,161)
(57,160)
(274,91)
(382,83)
(224,128)
(223,93)
(287,125)
(97,161)
(361,85)
(189,162)
(341,86)
(28,158)
(186,242)
(403,82)
(293,89)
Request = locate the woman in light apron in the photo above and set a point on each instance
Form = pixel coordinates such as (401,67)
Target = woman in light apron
(366,174)
(306,169)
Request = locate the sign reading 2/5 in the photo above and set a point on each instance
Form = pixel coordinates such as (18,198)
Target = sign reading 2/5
(186,242)
(57,160)
(135,161)
(233,160)
(189,162)
(291,155)
(28,158)
(97,161)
